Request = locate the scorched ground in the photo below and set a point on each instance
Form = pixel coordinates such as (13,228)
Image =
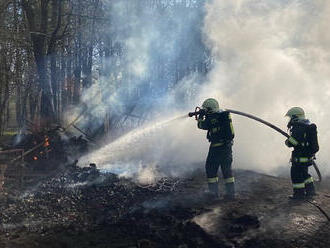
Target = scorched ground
(81,207)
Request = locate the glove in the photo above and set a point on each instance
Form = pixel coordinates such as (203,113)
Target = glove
(291,142)
(287,143)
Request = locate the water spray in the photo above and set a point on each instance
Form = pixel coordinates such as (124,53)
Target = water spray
(199,111)
(122,145)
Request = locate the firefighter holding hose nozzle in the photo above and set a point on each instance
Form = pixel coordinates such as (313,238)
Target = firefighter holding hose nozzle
(220,133)
(303,139)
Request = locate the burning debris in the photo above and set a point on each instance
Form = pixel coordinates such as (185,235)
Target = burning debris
(42,145)
(37,154)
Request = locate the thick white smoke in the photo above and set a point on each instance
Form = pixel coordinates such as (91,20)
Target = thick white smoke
(269,56)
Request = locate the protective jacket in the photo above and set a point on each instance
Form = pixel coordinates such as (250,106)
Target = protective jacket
(219,127)
(304,140)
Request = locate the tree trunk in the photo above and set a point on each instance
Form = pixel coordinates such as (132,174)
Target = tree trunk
(38,38)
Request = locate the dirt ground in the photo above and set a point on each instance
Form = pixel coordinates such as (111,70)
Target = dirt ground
(82,208)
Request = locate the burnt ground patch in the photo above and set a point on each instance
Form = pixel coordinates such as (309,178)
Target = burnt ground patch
(80,207)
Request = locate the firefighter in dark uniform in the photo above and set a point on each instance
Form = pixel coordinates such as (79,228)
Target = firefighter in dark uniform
(220,134)
(303,139)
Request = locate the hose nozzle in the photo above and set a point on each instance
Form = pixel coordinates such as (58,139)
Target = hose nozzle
(198,111)
(191,114)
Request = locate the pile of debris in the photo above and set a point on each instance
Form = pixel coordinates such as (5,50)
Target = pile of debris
(82,200)
(81,207)
(28,157)
(79,197)
(49,145)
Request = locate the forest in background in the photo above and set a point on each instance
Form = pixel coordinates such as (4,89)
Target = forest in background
(134,51)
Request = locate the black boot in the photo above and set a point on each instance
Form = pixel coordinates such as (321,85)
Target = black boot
(298,194)
(310,190)
(214,189)
(230,191)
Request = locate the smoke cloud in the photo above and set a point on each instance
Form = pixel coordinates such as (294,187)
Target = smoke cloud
(270,56)
(267,56)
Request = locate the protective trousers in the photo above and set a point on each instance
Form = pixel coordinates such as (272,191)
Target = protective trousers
(302,181)
(220,156)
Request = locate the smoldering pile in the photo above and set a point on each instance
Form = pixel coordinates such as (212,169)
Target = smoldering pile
(80,200)
(79,197)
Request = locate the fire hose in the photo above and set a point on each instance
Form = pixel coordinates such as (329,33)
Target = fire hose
(200,111)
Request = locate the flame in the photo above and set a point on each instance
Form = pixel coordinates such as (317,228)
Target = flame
(35,158)
(46,142)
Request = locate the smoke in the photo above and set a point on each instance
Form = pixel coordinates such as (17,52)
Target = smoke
(267,56)
(148,49)
(154,78)
(270,56)
(205,220)
(161,148)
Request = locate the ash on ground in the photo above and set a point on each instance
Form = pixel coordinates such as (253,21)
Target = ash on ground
(81,207)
